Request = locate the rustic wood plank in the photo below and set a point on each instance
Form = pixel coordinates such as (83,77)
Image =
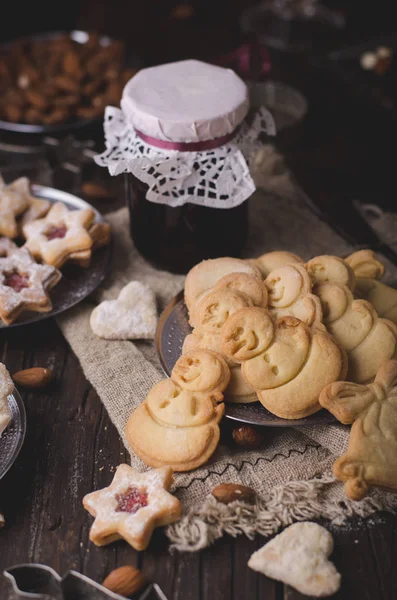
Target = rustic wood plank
(216,571)
(245,580)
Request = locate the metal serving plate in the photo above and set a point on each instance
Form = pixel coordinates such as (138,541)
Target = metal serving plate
(173,327)
(77,283)
(12,439)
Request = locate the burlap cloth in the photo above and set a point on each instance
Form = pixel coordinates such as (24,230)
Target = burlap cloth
(292,471)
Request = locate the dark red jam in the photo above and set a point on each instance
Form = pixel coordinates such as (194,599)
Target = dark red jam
(175,239)
(16,281)
(56,232)
(131,500)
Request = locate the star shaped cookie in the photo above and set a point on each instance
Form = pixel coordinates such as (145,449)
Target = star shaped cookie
(37,207)
(24,284)
(6,388)
(132,506)
(12,204)
(60,234)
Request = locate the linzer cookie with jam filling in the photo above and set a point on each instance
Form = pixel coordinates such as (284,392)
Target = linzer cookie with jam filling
(132,506)
(6,388)
(24,285)
(177,424)
(60,234)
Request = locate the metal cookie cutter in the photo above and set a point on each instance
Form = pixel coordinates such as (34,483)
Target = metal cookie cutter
(39,582)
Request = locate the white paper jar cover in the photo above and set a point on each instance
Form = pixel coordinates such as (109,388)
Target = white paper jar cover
(187,102)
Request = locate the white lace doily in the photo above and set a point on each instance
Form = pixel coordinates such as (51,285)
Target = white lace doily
(218,178)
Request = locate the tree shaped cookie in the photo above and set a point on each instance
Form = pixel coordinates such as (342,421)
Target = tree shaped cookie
(289,291)
(12,204)
(24,285)
(177,424)
(132,506)
(59,235)
(371,457)
(285,361)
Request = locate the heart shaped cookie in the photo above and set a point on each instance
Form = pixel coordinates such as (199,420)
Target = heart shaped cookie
(299,557)
(133,316)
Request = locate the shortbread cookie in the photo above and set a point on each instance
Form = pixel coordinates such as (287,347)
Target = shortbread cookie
(366,264)
(212,313)
(274,260)
(12,205)
(61,233)
(382,297)
(251,286)
(24,285)
(299,557)
(6,388)
(36,207)
(133,316)
(177,424)
(289,295)
(331,269)
(100,235)
(132,507)
(371,457)
(203,277)
(368,340)
(285,361)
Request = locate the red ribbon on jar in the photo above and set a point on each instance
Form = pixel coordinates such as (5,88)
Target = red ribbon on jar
(187,146)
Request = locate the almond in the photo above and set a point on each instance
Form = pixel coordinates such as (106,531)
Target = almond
(229,492)
(36,377)
(247,437)
(125,581)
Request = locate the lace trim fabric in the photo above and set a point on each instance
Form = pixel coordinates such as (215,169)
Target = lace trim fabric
(218,178)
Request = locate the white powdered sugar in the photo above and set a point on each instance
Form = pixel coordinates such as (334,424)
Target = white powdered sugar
(299,557)
(132,316)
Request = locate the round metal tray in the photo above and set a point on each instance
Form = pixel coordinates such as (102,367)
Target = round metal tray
(80,37)
(173,327)
(77,283)
(12,439)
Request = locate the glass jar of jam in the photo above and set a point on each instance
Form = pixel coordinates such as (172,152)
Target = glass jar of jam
(177,238)
(184,140)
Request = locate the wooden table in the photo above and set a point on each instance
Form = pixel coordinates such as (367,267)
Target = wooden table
(72,448)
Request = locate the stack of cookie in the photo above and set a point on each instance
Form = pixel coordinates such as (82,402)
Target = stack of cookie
(286,333)
(52,235)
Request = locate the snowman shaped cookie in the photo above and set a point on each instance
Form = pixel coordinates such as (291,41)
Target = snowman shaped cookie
(177,424)
(287,362)
(368,340)
(290,295)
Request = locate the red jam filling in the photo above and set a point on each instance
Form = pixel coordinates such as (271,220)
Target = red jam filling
(131,500)
(16,281)
(56,232)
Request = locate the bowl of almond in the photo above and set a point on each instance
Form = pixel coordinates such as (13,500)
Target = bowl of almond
(59,82)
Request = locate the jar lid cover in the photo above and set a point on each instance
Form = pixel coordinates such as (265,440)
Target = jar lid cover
(186,101)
